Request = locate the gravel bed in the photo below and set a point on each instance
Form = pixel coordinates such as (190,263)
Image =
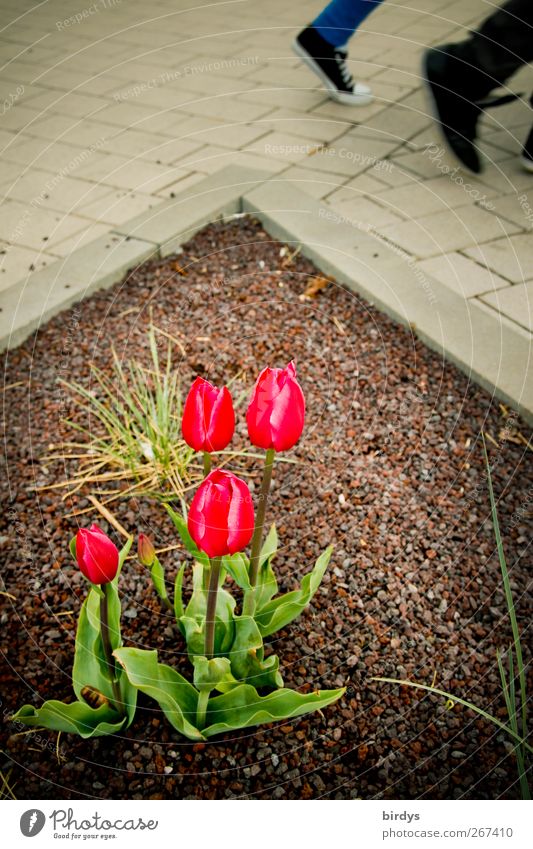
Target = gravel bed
(390,470)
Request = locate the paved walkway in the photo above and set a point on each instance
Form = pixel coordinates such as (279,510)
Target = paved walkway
(113,105)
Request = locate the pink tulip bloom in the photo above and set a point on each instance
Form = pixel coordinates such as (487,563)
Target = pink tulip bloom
(208,417)
(276,411)
(221,516)
(97,555)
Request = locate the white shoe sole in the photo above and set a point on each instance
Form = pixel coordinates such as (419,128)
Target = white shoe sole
(362,99)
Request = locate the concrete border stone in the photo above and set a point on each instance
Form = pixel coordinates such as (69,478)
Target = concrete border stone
(494,352)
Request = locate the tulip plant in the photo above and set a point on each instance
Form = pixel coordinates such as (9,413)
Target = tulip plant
(235,682)
(105,699)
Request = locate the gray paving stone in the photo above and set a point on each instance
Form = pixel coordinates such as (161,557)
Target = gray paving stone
(201,110)
(515,302)
(172,222)
(462,274)
(449,230)
(511,258)
(33,301)
(492,351)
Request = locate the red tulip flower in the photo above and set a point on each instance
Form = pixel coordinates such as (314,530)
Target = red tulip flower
(97,556)
(221,516)
(208,417)
(276,411)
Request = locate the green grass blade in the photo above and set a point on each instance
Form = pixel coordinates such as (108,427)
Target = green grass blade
(511,709)
(469,705)
(508,597)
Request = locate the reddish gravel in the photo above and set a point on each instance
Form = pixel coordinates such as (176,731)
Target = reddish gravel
(391,470)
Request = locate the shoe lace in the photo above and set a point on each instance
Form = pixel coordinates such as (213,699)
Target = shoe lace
(347,78)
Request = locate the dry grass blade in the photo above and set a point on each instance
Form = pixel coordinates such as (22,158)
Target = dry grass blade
(108,516)
(8,595)
(14,385)
(172,339)
(291,256)
(6,791)
(339,326)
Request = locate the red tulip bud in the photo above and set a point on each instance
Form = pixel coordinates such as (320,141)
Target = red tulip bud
(221,516)
(97,556)
(276,411)
(208,418)
(145,550)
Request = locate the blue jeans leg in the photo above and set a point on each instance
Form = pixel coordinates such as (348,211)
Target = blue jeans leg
(339,20)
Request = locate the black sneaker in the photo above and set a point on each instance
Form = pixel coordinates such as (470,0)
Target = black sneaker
(329,64)
(527,153)
(455,115)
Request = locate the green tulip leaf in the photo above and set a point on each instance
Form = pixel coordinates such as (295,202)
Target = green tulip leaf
(72,548)
(238,565)
(74,718)
(123,553)
(213,674)
(247,656)
(270,545)
(224,625)
(193,620)
(178,594)
(278,612)
(181,526)
(266,586)
(194,632)
(243,707)
(157,574)
(89,652)
(197,602)
(176,697)
(90,666)
(194,627)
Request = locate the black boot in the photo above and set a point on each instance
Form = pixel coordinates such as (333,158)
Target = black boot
(455,114)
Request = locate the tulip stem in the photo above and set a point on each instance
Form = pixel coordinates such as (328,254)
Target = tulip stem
(108,651)
(260,516)
(207,463)
(211,607)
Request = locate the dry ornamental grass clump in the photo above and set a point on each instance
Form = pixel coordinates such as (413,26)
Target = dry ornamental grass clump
(132,435)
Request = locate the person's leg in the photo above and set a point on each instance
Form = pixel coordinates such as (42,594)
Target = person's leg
(460,75)
(339,20)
